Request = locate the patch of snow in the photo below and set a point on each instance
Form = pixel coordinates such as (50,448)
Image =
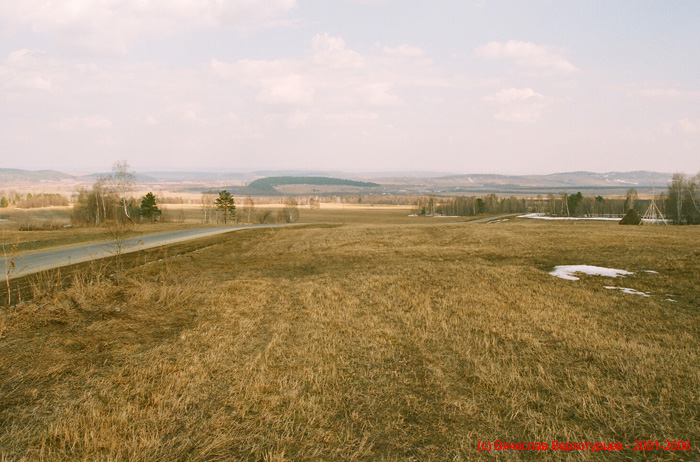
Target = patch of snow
(446,216)
(651,272)
(670,300)
(542,216)
(628,291)
(654,220)
(413,215)
(567,271)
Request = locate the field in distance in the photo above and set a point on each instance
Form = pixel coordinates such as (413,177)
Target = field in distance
(364,341)
(50,227)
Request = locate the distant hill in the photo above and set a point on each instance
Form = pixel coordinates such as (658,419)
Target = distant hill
(631,179)
(269,184)
(608,183)
(292,182)
(10,175)
(199,176)
(138,177)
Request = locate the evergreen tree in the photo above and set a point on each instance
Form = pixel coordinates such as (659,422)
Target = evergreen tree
(226,205)
(3,202)
(573,202)
(149,208)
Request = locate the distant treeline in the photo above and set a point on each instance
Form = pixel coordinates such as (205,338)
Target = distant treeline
(269,184)
(31,201)
(574,205)
(680,204)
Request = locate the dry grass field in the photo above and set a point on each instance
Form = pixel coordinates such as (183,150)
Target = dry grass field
(35,237)
(364,341)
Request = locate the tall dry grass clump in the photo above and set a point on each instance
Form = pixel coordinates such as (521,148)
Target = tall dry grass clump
(363,343)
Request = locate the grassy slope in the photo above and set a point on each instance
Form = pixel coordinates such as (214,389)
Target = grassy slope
(42,240)
(364,342)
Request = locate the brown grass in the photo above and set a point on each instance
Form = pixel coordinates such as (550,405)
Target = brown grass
(47,230)
(363,342)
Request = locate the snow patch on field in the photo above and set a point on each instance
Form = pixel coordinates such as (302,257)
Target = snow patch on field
(542,216)
(568,271)
(628,291)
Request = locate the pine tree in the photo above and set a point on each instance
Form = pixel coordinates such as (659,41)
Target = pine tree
(149,208)
(226,205)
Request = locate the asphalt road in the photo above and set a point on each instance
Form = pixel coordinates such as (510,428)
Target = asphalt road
(497,217)
(42,261)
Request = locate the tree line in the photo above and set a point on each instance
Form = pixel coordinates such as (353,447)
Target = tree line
(221,208)
(680,203)
(683,199)
(30,201)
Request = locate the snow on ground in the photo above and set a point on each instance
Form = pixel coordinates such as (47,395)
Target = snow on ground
(628,291)
(567,271)
(542,216)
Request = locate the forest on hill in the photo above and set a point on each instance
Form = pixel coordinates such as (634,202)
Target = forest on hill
(270,183)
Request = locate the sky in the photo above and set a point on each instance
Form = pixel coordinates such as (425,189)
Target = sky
(460,86)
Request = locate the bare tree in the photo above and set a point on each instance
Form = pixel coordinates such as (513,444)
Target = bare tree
(264,215)
(207,201)
(119,231)
(124,182)
(250,207)
(631,200)
(290,212)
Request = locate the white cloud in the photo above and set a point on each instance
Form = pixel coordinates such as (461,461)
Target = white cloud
(330,52)
(666,93)
(113,26)
(298,119)
(287,89)
(518,104)
(404,50)
(331,79)
(513,95)
(80,123)
(527,55)
(25,69)
(684,126)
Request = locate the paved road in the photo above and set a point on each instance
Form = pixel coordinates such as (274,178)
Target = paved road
(41,261)
(497,217)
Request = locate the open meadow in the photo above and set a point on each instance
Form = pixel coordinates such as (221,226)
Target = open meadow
(357,338)
(48,228)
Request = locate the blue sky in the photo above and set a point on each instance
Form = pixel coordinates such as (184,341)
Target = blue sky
(462,86)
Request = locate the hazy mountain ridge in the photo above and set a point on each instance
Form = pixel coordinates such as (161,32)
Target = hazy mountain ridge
(15,174)
(391,183)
